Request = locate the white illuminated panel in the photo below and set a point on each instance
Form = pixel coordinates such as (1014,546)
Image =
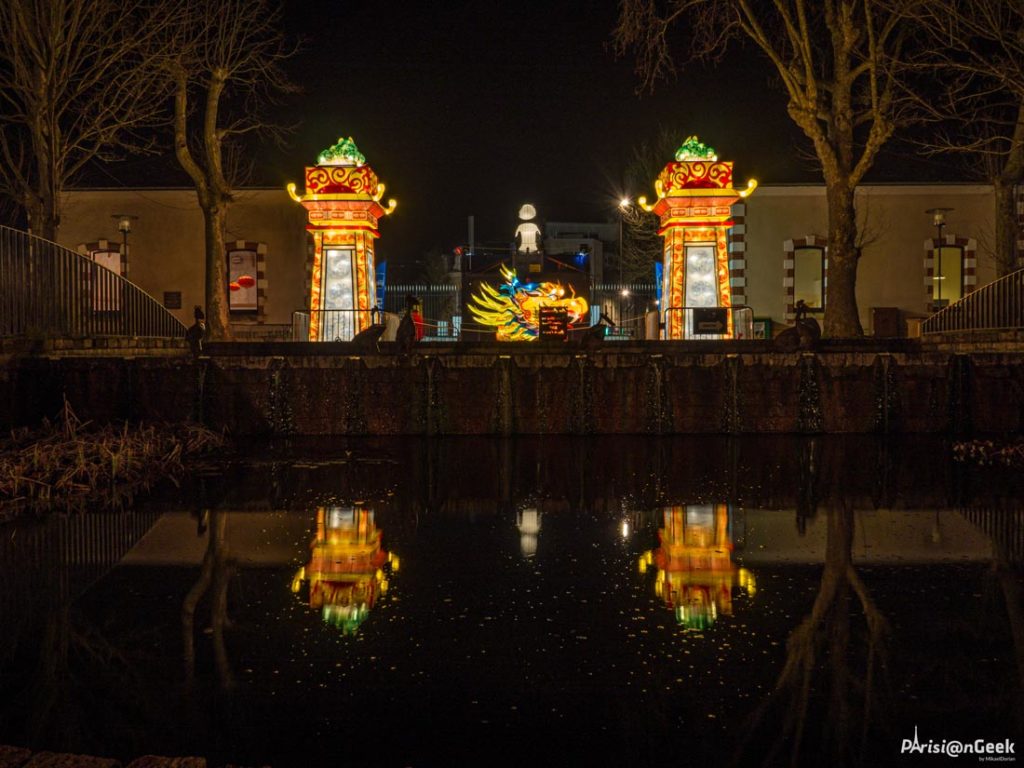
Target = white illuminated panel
(701,281)
(339,320)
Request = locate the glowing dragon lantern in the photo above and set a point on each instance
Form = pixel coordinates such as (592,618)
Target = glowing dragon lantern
(514,307)
(342,201)
(695,198)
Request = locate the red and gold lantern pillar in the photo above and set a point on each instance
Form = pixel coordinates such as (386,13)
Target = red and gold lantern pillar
(348,568)
(694,205)
(342,201)
(695,573)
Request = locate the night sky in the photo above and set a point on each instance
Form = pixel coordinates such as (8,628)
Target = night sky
(478,107)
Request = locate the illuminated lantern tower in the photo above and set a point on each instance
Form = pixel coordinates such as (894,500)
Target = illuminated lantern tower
(348,568)
(342,200)
(695,571)
(695,199)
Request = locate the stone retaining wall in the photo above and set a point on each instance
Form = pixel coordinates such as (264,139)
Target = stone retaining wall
(656,390)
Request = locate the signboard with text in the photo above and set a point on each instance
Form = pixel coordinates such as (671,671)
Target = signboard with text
(554,323)
(710,320)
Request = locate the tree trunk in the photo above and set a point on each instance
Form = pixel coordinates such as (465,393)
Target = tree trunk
(1007,229)
(217,316)
(841,317)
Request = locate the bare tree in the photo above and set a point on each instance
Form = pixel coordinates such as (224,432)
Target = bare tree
(642,245)
(978,48)
(836,668)
(835,61)
(227,56)
(75,85)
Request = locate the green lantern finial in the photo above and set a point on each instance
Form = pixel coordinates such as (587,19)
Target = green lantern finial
(693,149)
(345,152)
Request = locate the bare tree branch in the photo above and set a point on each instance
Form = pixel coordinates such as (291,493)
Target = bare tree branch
(227,56)
(76,84)
(836,62)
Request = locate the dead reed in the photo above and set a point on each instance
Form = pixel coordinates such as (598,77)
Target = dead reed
(69,464)
(989,453)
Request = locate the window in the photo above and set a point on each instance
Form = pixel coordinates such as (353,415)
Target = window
(948,276)
(809,277)
(242,281)
(106,289)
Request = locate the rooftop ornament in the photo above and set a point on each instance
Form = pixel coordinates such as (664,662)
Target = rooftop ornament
(345,152)
(693,149)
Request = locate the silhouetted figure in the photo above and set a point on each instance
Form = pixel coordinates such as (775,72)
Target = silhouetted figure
(366,340)
(196,333)
(593,337)
(406,335)
(803,335)
(801,310)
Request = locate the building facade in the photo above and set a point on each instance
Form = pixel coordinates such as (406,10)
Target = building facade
(778,253)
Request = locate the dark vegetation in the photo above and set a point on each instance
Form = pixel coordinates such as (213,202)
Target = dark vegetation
(70,465)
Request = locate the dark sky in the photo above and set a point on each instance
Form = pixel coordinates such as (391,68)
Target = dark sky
(477,107)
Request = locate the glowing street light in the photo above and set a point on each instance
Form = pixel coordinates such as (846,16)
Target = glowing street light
(624,203)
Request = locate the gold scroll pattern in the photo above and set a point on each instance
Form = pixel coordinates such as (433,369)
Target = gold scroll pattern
(696,174)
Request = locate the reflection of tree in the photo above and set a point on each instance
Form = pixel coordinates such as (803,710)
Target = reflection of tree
(215,571)
(807,491)
(66,673)
(821,663)
(1009,579)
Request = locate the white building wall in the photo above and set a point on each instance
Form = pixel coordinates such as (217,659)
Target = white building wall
(166,242)
(894,228)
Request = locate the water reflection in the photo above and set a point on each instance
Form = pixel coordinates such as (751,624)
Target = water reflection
(883,599)
(832,660)
(695,574)
(528,523)
(214,572)
(348,567)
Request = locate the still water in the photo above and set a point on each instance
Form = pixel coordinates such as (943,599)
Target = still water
(528,602)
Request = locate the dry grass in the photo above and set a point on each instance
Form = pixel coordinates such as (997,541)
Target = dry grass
(989,453)
(70,464)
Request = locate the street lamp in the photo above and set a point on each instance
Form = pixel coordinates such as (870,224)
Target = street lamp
(124,226)
(624,204)
(939,221)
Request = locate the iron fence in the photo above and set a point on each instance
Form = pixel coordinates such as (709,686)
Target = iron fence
(994,307)
(332,324)
(49,290)
(740,319)
(440,307)
(631,307)
(627,305)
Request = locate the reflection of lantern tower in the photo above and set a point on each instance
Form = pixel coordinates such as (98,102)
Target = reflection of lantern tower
(695,198)
(696,574)
(347,567)
(342,200)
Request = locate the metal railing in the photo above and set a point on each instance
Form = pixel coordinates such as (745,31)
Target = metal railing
(625,304)
(49,290)
(994,307)
(440,303)
(741,320)
(333,324)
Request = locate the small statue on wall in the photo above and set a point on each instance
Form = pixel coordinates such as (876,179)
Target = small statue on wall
(528,234)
